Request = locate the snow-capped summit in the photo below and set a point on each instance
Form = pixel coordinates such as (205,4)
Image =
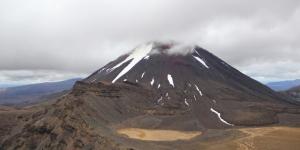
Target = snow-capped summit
(146,53)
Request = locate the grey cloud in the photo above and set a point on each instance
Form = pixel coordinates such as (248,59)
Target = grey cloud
(78,37)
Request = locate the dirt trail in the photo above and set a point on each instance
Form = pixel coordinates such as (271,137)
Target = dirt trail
(158,135)
(258,138)
(247,142)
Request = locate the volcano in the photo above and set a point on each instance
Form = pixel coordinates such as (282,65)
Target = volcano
(174,89)
(192,79)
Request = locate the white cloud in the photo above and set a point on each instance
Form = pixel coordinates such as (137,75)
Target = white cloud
(80,36)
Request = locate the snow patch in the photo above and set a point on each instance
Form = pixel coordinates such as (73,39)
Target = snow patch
(214,101)
(147,57)
(219,115)
(186,103)
(201,61)
(158,86)
(170,79)
(142,76)
(196,52)
(198,90)
(195,97)
(160,99)
(136,56)
(152,81)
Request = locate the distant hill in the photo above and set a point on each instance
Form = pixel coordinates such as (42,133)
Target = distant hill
(33,92)
(10,85)
(293,93)
(284,85)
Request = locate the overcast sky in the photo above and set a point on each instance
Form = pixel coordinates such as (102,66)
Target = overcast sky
(49,40)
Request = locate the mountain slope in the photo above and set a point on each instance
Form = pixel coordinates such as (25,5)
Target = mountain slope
(33,92)
(293,93)
(283,85)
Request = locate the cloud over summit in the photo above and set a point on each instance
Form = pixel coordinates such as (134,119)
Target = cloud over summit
(79,37)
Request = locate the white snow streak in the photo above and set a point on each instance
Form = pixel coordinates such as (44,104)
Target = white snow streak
(196,52)
(160,99)
(136,56)
(186,103)
(147,57)
(158,86)
(170,79)
(142,76)
(214,101)
(195,98)
(152,81)
(219,115)
(198,90)
(201,61)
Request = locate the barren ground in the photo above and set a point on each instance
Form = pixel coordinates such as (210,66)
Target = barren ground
(157,135)
(257,138)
